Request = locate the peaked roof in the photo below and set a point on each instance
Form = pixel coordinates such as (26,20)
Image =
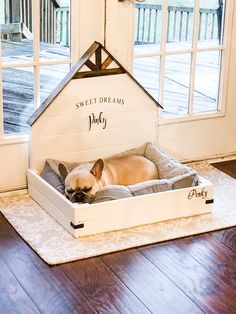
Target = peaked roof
(98,68)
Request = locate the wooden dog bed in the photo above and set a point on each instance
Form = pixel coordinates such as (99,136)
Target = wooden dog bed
(99,110)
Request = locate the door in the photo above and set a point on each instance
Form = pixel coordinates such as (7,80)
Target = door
(40,41)
(182,52)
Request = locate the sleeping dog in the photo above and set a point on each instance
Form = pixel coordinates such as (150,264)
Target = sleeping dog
(84,181)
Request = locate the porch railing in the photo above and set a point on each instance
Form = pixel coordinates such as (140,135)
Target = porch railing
(18,20)
(180,24)
(63,26)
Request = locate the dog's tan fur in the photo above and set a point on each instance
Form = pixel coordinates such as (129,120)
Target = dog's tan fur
(84,181)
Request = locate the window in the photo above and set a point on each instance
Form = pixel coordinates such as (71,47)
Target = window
(35,56)
(179,54)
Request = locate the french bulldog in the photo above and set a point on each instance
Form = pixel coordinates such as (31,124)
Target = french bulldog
(84,181)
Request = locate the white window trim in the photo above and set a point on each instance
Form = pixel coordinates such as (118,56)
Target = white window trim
(223,82)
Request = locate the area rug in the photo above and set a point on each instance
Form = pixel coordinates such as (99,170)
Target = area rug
(55,245)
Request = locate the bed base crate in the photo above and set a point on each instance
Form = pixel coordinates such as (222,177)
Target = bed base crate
(98,110)
(87,219)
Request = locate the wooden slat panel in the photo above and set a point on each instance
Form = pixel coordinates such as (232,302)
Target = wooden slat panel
(97,139)
(83,155)
(117,117)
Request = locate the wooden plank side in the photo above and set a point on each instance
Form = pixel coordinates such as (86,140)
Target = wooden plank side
(100,84)
(76,102)
(51,209)
(135,211)
(119,214)
(56,198)
(116,117)
(51,145)
(38,163)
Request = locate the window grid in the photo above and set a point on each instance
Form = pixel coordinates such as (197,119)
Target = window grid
(194,50)
(36,64)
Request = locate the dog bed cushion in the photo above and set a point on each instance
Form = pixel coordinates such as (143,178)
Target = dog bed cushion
(49,175)
(171,175)
(111,192)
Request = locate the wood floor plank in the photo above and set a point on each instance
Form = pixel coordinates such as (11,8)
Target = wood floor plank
(206,290)
(48,287)
(105,292)
(214,256)
(13,298)
(148,283)
(227,237)
(228,167)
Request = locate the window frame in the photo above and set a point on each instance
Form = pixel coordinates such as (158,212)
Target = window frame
(224,70)
(36,63)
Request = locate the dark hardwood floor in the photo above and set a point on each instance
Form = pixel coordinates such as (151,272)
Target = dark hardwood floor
(190,275)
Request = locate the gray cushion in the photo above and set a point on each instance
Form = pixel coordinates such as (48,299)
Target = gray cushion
(111,192)
(52,178)
(151,186)
(172,175)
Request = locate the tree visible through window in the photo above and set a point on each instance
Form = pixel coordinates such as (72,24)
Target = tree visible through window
(178,53)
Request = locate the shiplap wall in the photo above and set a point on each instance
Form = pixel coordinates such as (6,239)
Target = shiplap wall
(63,130)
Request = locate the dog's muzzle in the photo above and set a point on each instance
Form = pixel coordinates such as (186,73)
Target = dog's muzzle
(79,197)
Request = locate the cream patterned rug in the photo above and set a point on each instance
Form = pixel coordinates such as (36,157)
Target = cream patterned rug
(55,245)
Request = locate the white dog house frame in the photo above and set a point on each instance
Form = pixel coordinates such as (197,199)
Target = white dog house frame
(98,110)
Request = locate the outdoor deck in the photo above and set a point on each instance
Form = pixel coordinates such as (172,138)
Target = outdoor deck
(18,83)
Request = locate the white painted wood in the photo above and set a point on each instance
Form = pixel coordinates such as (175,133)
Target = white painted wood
(106,116)
(90,18)
(51,209)
(13,165)
(83,155)
(104,83)
(118,117)
(49,145)
(119,33)
(57,199)
(119,214)
(147,208)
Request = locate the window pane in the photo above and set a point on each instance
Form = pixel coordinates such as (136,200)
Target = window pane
(18,98)
(176,85)
(207,81)
(54,29)
(16,30)
(211,22)
(50,77)
(148,25)
(146,71)
(180,24)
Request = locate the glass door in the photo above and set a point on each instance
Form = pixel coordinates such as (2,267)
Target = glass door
(36,53)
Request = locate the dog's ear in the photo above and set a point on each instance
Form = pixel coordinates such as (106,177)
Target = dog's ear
(62,170)
(97,168)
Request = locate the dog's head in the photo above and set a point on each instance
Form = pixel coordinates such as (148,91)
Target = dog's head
(83,182)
